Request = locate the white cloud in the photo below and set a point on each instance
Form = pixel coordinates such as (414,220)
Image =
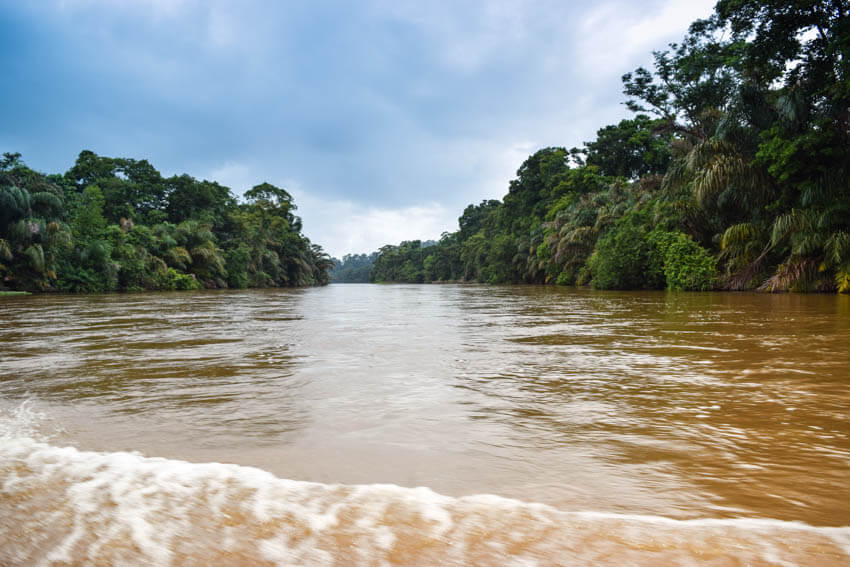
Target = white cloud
(615,34)
(238,176)
(343,227)
(675,16)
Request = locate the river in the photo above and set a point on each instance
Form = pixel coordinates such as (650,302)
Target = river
(425,424)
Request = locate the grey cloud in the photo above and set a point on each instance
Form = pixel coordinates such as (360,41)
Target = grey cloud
(381,103)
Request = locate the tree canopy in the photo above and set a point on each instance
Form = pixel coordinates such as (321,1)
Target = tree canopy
(115,224)
(733,173)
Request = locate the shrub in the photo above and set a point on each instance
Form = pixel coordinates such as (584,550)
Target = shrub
(77,279)
(172,280)
(688,266)
(659,243)
(630,257)
(564,279)
(620,258)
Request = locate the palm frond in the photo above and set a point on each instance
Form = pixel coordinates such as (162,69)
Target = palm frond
(5,250)
(14,204)
(794,275)
(842,280)
(837,247)
(35,253)
(807,244)
(581,235)
(797,220)
(178,257)
(738,235)
(46,203)
(97,253)
(204,252)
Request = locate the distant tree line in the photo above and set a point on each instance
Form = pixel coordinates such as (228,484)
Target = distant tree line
(116,224)
(734,173)
(353,268)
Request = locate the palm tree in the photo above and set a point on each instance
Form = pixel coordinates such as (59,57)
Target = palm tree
(31,234)
(197,240)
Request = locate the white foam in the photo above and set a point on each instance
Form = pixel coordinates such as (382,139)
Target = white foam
(60,504)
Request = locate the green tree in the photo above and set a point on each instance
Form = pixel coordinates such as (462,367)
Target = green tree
(32,236)
(187,198)
(131,188)
(631,149)
(88,223)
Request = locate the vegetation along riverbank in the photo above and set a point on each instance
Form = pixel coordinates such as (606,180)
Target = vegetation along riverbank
(732,174)
(116,224)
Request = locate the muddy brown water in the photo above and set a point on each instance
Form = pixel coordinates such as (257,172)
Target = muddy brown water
(414,425)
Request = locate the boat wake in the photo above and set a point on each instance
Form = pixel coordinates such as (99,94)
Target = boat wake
(60,505)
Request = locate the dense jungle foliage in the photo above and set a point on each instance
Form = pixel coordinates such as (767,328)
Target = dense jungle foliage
(733,173)
(115,224)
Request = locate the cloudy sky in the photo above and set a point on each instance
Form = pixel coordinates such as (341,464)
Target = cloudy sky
(384,118)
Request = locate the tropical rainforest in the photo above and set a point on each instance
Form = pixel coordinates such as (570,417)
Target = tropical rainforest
(732,173)
(116,224)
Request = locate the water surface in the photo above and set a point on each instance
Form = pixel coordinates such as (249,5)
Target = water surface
(648,426)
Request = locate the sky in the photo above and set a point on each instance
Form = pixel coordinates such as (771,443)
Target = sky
(383,118)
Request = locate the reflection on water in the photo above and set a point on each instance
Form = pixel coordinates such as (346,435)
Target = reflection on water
(679,405)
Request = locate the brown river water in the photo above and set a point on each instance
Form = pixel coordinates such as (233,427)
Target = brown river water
(423,425)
